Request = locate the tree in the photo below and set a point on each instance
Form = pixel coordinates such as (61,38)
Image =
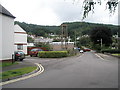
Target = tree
(84,41)
(89,5)
(101,33)
(30,40)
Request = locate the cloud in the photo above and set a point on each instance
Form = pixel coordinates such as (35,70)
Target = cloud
(55,12)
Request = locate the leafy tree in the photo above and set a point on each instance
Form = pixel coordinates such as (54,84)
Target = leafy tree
(89,5)
(84,41)
(82,28)
(101,33)
(30,40)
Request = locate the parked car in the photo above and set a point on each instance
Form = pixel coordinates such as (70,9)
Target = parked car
(19,55)
(81,51)
(86,49)
(34,52)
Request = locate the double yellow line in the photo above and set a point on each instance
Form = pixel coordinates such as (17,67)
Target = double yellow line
(41,70)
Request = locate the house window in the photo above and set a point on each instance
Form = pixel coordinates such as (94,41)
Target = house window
(20,47)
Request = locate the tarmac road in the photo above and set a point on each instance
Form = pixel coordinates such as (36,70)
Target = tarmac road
(85,71)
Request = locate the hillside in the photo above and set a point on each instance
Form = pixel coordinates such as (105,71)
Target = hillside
(81,28)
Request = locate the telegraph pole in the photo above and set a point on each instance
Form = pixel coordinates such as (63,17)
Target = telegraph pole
(75,38)
(117,40)
(101,43)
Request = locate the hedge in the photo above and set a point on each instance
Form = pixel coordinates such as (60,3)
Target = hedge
(110,51)
(52,54)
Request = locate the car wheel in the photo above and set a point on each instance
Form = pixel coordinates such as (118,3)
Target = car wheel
(36,55)
(31,55)
(21,59)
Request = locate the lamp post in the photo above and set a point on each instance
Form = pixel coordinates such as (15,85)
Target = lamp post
(75,38)
(101,42)
(117,40)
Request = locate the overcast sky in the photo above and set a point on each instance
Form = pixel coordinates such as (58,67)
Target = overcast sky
(55,12)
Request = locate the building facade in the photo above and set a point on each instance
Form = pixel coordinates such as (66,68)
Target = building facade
(20,39)
(58,46)
(6,34)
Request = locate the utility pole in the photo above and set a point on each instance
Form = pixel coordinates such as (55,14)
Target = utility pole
(117,40)
(101,43)
(75,38)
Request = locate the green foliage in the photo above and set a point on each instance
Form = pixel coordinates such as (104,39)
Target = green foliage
(52,54)
(82,28)
(30,40)
(89,5)
(16,72)
(5,64)
(97,47)
(110,51)
(101,33)
(38,30)
(72,52)
(84,41)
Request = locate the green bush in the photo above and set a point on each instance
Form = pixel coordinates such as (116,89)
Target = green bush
(52,54)
(110,51)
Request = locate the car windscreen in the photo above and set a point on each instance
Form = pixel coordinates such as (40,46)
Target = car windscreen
(20,52)
(36,50)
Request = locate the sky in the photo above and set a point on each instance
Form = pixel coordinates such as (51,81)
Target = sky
(55,12)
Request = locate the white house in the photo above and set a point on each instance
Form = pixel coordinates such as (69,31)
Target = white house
(6,34)
(20,36)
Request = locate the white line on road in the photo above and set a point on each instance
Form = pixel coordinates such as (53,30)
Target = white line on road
(26,77)
(99,57)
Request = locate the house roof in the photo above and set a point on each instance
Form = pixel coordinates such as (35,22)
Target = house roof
(18,29)
(5,12)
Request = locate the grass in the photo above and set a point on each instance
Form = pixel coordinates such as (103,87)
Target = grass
(16,72)
(5,64)
(116,54)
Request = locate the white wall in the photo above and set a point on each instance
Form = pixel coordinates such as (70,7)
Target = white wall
(20,37)
(7,36)
(0,37)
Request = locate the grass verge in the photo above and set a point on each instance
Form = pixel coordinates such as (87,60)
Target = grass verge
(17,72)
(116,54)
(5,64)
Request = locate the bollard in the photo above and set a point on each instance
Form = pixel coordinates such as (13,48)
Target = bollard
(13,59)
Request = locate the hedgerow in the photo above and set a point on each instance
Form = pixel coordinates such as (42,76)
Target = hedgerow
(52,54)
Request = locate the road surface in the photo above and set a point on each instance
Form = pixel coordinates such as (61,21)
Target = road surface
(84,71)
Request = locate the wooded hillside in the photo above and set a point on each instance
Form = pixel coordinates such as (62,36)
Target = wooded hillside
(82,28)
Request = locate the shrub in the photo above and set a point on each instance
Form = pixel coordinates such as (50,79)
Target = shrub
(52,54)
(110,51)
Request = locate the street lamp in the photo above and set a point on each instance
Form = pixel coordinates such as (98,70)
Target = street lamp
(101,42)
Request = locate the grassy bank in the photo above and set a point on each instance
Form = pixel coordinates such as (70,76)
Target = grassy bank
(5,64)
(16,72)
(116,54)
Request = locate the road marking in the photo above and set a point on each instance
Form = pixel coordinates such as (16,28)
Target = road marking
(26,77)
(99,57)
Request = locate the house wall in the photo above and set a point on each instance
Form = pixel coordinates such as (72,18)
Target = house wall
(20,39)
(0,37)
(7,37)
(58,47)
